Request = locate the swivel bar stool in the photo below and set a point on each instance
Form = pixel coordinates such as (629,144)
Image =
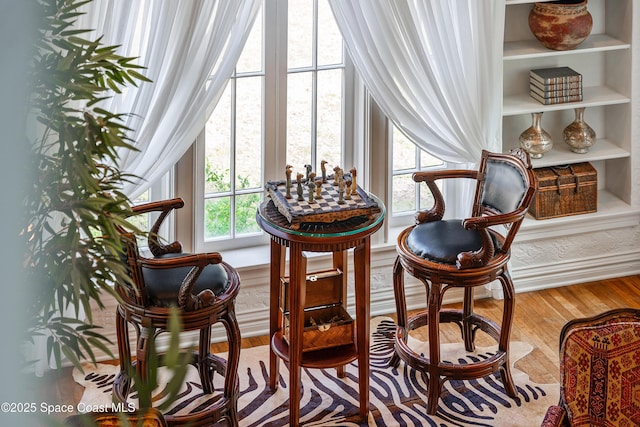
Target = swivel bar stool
(445,254)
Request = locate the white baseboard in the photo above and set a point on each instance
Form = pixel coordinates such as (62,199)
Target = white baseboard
(571,272)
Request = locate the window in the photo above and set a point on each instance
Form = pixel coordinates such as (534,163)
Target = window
(158,191)
(407,197)
(293,99)
(285,104)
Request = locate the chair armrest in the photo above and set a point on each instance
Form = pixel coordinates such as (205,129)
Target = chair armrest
(556,416)
(161,205)
(475,259)
(186,300)
(165,207)
(478,222)
(187,260)
(429,177)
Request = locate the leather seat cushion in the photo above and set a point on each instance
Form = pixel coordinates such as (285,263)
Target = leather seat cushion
(163,284)
(442,241)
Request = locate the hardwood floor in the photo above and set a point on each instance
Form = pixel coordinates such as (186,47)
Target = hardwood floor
(539,317)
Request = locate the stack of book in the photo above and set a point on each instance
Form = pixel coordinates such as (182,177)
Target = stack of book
(555,85)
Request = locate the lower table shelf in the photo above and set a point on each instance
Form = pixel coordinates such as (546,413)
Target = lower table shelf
(325,358)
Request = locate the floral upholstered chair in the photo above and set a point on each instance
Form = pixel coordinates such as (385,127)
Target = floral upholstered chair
(599,371)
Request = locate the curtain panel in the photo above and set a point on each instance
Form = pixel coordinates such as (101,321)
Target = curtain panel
(433,66)
(189,49)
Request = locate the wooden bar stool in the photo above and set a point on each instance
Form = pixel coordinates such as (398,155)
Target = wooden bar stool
(445,254)
(204,289)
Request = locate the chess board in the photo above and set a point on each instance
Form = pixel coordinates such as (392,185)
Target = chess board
(324,209)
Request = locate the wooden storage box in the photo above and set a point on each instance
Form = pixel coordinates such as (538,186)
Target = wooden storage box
(324,327)
(323,288)
(565,190)
(326,322)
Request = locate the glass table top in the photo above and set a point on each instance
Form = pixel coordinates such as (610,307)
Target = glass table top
(269,214)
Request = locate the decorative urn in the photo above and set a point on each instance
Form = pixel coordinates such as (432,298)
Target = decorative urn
(561,25)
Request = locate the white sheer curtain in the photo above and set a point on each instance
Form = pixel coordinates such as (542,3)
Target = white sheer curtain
(433,66)
(190,49)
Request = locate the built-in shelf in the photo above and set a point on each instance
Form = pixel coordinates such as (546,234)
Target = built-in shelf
(591,97)
(561,154)
(612,213)
(602,60)
(526,49)
(509,2)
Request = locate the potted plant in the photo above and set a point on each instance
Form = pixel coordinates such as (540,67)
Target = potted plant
(70,253)
(75,203)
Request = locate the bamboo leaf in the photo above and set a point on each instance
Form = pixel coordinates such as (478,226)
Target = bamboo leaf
(138,76)
(101,345)
(113,86)
(71,356)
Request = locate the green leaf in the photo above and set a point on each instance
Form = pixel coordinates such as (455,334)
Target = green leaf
(71,356)
(138,76)
(101,345)
(56,354)
(113,86)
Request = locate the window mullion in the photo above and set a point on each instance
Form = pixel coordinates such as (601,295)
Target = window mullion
(417,186)
(275,89)
(232,160)
(314,87)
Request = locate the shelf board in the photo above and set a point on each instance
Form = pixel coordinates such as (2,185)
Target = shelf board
(324,358)
(510,2)
(603,149)
(524,49)
(612,213)
(592,97)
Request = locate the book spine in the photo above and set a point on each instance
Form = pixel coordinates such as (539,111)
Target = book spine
(556,99)
(555,86)
(575,79)
(555,91)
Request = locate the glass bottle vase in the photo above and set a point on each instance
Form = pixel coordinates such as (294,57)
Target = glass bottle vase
(535,140)
(579,135)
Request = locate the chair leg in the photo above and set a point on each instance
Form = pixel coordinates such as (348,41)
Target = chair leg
(468,334)
(433,313)
(145,344)
(401,304)
(505,332)
(231,381)
(122,383)
(204,365)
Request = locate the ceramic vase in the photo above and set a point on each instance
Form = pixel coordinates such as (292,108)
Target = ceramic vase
(535,140)
(561,25)
(579,135)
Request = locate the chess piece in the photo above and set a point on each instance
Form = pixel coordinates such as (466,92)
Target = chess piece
(323,167)
(319,189)
(341,187)
(354,185)
(338,175)
(299,188)
(288,183)
(311,191)
(347,193)
(308,169)
(311,185)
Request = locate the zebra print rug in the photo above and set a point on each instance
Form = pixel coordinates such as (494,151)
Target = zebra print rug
(397,396)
